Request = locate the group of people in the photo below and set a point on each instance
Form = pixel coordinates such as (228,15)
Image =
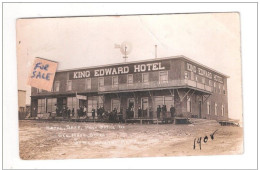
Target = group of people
(130,112)
(143,113)
(114,115)
(163,110)
(65,112)
(82,111)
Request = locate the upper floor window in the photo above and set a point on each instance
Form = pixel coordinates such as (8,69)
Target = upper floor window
(186,75)
(101,82)
(88,83)
(69,85)
(56,86)
(208,107)
(145,77)
(130,79)
(224,91)
(219,88)
(115,81)
(215,89)
(216,109)
(210,82)
(191,68)
(191,75)
(163,77)
(39,90)
(203,80)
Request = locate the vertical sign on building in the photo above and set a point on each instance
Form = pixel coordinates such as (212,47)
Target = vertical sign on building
(42,74)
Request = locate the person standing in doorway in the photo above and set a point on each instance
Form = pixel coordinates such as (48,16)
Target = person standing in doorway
(85,110)
(93,114)
(73,112)
(139,112)
(68,111)
(164,110)
(132,112)
(172,110)
(158,111)
(150,112)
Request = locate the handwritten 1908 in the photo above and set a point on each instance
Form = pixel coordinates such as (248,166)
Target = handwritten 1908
(205,139)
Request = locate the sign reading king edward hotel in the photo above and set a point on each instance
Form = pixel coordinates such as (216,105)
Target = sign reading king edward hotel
(122,69)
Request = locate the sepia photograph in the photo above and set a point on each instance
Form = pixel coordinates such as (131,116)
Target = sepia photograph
(127,86)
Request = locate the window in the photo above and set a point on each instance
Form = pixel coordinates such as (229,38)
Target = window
(188,104)
(163,77)
(208,108)
(100,101)
(215,90)
(115,104)
(71,103)
(203,80)
(201,71)
(168,101)
(145,77)
(101,82)
(210,83)
(56,86)
(224,91)
(39,90)
(189,67)
(186,75)
(51,105)
(115,81)
(216,108)
(158,101)
(88,83)
(191,75)
(92,104)
(41,106)
(130,79)
(196,78)
(144,103)
(222,110)
(69,85)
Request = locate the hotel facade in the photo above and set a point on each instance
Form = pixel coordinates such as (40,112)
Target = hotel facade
(193,89)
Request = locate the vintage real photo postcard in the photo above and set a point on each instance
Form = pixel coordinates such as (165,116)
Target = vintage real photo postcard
(129,86)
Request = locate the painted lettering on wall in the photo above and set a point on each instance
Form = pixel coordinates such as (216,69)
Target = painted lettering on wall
(204,73)
(134,68)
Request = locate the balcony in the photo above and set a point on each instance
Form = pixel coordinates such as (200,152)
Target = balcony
(156,85)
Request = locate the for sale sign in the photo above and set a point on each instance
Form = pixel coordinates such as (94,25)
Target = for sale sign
(42,74)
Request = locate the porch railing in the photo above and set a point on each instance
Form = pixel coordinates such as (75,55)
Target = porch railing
(155,84)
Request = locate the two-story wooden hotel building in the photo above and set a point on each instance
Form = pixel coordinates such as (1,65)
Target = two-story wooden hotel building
(192,88)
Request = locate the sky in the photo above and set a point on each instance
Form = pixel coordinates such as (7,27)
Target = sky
(211,39)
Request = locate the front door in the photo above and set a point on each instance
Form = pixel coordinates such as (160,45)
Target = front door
(131,105)
(145,107)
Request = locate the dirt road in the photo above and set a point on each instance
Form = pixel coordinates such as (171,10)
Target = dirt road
(72,140)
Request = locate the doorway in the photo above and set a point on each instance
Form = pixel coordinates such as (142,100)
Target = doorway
(131,106)
(200,105)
